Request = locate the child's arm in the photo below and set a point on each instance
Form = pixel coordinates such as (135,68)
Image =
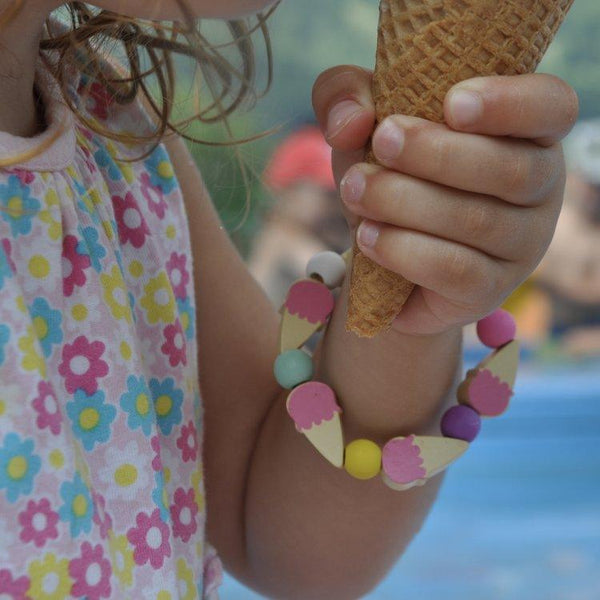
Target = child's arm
(283,519)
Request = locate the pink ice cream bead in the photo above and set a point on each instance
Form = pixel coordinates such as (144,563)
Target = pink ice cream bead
(488,395)
(497,329)
(401,460)
(310,300)
(312,403)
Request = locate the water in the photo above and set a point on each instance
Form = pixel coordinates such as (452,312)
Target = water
(518,517)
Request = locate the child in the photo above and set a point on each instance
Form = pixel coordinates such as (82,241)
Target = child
(102,477)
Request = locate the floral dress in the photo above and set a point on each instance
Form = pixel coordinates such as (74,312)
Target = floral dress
(101,481)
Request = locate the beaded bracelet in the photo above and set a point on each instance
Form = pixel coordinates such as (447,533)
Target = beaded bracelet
(403,461)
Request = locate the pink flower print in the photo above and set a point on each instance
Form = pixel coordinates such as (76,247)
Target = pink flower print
(131,224)
(88,158)
(178,274)
(14,588)
(150,539)
(154,196)
(183,513)
(46,406)
(100,100)
(91,573)
(25,177)
(81,365)
(38,522)
(73,265)
(212,572)
(187,442)
(101,517)
(7,251)
(156,461)
(85,132)
(175,346)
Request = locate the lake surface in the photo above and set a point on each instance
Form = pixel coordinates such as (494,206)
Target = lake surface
(518,517)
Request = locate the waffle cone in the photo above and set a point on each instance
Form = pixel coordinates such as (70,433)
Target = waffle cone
(424,48)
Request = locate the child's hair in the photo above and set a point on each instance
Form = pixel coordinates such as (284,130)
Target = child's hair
(145,52)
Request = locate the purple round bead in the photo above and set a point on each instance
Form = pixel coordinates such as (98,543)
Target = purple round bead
(461,423)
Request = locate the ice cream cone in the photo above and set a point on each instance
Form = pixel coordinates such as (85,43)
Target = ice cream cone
(410,461)
(306,309)
(315,411)
(424,48)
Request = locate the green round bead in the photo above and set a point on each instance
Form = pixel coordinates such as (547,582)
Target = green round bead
(292,368)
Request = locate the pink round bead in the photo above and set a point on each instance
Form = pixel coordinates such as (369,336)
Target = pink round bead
(497,329)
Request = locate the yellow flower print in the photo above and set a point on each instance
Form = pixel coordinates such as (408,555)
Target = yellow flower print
(47,216)
(115,294)
(91,199)
(49,578)
(124,167)
(199,496)
(159,300)
(32,360)
(185,583)
(121,558)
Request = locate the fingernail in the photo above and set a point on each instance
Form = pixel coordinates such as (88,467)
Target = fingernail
(388,141)
(367,234)
(466,107)
(340,115)
(353,186)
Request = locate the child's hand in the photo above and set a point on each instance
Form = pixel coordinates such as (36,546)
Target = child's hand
(466,210)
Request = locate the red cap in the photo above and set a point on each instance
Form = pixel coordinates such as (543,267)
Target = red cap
(303,156)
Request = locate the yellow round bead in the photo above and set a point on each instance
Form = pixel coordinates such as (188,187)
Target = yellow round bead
(362,459)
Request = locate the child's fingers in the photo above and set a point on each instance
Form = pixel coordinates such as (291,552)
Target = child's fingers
(460,274)
(343,105)
(514,170)
(500,229)
(539,107)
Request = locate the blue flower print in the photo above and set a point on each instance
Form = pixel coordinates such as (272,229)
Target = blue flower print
(5,270)
(19,204)
(89,245)
(46,323)
(18,466)
(187,317)
(4,337)
(91,417)
(167,403)
(161,170)
(78,508)
(105,160)
(160,496)
(138,404)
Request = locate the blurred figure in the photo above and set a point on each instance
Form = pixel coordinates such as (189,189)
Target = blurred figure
(570,271)
(305,217)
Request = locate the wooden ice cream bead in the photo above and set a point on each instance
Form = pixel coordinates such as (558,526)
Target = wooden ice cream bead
(307,308)
(461,423)
(329,267)
(316,413)
(489,387)
(362,459)
(292,368)
(497,329)
(410,461)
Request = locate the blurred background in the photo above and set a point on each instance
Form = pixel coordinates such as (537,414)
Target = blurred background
(519,516)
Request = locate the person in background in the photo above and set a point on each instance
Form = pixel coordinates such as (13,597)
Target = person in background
(304,218)
(570,271)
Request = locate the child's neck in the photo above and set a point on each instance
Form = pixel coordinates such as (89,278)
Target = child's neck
(19,46)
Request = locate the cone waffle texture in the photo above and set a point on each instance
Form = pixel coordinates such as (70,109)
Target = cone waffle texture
(424,48)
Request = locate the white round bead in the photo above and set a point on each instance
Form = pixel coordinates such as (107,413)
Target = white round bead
(329,266)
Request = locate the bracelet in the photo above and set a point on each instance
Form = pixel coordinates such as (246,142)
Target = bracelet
(404,461)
